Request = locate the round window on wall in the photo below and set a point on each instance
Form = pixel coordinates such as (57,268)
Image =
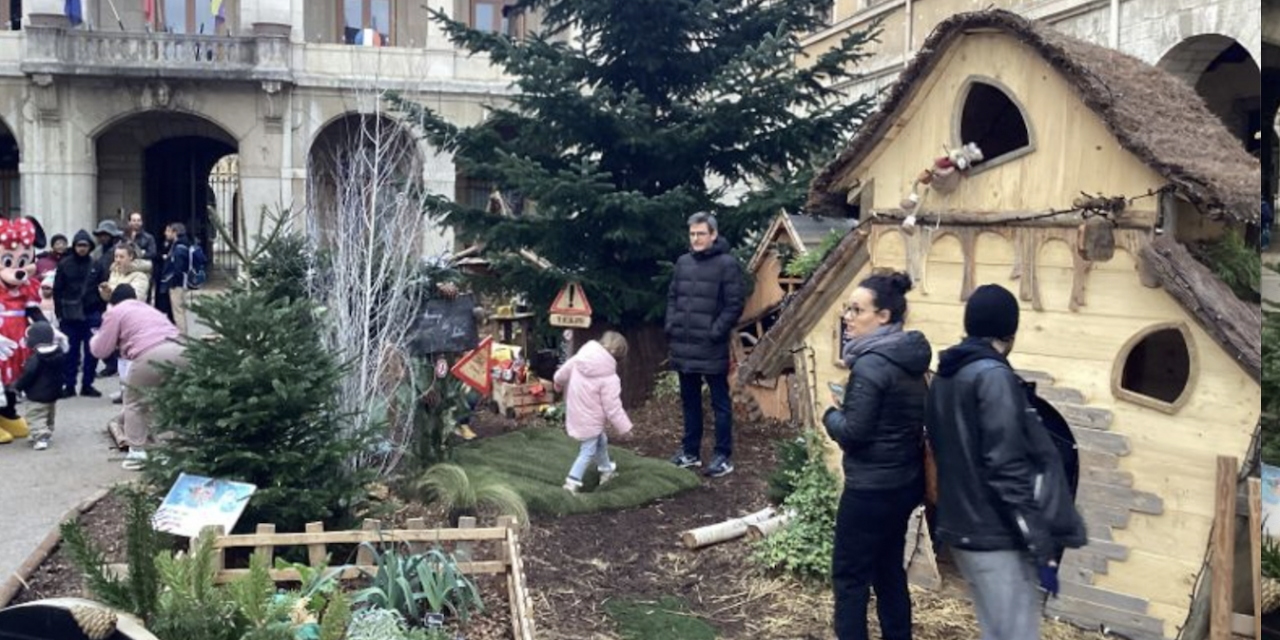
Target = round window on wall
(1157,367)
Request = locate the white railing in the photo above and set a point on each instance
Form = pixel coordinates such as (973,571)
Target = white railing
(157,51)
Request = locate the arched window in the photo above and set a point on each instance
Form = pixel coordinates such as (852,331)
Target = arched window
(1156,368)
(990,117)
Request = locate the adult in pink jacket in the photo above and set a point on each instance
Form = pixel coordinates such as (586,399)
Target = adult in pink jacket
(593,398)
(145,337)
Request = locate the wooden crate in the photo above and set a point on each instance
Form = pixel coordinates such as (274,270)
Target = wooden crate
(416,536)
(516,400)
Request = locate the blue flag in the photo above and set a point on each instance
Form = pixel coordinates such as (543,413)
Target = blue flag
(74,12)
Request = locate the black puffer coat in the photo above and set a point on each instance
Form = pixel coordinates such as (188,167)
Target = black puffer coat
(75,287)
(703,305)
(1001,485)
(880,424)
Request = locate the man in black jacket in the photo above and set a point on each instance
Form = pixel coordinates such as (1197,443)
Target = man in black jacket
(1003,505)
(703,305)
(79,308)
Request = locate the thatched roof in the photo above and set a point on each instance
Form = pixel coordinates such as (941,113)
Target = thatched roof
(1154,115)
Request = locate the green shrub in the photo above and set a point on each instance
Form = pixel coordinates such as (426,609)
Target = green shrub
(792,455)
(1237,264)
(667,386)
(137,592)
(1271,388)
(258,405)
(417,584)
(803,548)
(1270,557)
(804,265)
(438,405)
(470,493)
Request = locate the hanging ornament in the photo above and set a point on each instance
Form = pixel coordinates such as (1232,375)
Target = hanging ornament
(910,202)
(1096,239)
(442,368)
(945,179)
(909,225)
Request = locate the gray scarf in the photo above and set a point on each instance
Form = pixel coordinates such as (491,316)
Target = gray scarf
(859,346)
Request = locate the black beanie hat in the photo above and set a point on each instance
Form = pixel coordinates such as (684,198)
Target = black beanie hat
(992,312)
(39,334)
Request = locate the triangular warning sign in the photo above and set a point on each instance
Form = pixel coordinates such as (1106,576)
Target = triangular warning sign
(571,301)
(473,368)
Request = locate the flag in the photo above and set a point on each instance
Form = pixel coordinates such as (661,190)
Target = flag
(149,11)
(218,8)
(74,12)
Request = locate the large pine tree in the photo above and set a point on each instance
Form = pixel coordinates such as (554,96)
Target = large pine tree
(630,116)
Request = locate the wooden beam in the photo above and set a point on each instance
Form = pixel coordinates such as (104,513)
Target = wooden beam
(1255,548)
(1222,548)
(1130,220)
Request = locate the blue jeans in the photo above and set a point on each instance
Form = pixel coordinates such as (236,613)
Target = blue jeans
(78,334)
(691,403)
(1005,592)
(596,449)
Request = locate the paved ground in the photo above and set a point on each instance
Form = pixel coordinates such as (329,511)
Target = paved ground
(1271,279)
(41,486)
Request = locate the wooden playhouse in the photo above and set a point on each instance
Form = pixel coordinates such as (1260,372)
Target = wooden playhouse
(788,237)
(1152,360)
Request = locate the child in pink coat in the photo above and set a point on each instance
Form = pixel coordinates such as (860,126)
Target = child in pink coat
(593,396)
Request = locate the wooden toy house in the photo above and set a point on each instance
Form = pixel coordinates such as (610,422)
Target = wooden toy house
(1098,170)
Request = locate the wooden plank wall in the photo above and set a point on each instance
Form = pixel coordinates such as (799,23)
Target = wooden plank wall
(1152,556)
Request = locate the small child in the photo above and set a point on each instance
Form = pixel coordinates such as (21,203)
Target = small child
(593,398)
(41,381)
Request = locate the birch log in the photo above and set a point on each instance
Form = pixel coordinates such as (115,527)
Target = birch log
(760,530)
(727,530)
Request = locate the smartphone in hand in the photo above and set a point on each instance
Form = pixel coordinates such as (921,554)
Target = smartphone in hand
(836,388)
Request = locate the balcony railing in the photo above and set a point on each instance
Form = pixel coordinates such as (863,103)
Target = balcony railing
(160,55)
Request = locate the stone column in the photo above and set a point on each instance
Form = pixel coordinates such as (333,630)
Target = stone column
(440,175)
(59,181)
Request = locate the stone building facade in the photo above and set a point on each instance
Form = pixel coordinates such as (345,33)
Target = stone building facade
(179,111)
(1218,46)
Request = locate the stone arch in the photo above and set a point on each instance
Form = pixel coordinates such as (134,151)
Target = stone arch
(158,162)
(1227,75)
(10,176)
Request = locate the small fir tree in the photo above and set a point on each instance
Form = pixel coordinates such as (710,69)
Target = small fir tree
(258,404)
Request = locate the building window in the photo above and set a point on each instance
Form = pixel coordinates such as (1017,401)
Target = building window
(192,16)
(366,22)
(11,15)
(992,119)
(497,16)
(1156,367)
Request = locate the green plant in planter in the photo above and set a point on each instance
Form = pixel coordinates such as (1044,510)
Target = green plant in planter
(1270,557)
(470,493)
(384,624)
(417,584)
(136,593)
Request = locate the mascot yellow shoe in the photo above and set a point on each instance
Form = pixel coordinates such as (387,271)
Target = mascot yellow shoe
(11,428)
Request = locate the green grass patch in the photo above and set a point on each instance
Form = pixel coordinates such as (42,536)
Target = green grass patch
(535,461)
(667,619)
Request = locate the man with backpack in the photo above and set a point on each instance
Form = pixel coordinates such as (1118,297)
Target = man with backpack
(184,270)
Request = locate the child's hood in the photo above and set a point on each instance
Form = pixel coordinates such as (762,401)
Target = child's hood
(594,361)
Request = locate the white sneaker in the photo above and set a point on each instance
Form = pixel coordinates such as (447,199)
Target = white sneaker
(135,459)
(40,445)
(609,474)
(572,486)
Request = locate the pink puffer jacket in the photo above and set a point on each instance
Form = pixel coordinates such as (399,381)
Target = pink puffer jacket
(593,393)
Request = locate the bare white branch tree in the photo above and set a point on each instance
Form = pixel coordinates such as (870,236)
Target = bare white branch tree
(366,220)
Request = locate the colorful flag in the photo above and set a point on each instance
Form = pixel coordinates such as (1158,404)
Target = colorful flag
(149,11)
(218,8)
(74,12)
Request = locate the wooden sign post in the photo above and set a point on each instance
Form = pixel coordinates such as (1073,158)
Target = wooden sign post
(1222,550)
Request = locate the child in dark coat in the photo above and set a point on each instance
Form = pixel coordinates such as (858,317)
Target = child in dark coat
(41,381)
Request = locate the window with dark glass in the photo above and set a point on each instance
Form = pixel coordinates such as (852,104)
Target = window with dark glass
(190,16)
(992,120)
(496,16)
(366,22)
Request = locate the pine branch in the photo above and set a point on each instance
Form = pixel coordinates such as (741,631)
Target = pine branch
(89,559)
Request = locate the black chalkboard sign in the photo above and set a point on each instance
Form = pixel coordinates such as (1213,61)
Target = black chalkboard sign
(446,326)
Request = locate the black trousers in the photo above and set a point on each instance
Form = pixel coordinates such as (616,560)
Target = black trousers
(871,529)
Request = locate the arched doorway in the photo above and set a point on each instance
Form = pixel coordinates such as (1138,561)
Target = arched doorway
(160,163)
(10,180)
(362,165)
(224,204)
(1226,76)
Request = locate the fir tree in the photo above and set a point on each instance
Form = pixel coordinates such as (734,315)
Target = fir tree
(258,404)
(632,115)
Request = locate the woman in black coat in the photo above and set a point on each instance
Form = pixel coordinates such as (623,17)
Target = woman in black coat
(879,425)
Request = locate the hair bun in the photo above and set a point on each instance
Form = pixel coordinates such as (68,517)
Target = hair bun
(900,281)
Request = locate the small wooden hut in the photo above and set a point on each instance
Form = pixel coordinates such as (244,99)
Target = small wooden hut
(788,237)
(1098,171)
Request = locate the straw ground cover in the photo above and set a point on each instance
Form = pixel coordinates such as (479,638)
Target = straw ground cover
(535,461)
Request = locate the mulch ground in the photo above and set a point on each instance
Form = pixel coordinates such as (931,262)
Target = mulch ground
(576,564)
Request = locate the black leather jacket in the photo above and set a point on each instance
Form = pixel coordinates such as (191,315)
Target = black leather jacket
(880,424)
(1001,484)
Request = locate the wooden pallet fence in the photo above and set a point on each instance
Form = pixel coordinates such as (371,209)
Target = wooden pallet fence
(415,536)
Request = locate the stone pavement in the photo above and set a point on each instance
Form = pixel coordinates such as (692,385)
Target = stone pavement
(39,487)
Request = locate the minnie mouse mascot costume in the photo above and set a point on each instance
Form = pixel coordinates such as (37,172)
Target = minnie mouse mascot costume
(19,307)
